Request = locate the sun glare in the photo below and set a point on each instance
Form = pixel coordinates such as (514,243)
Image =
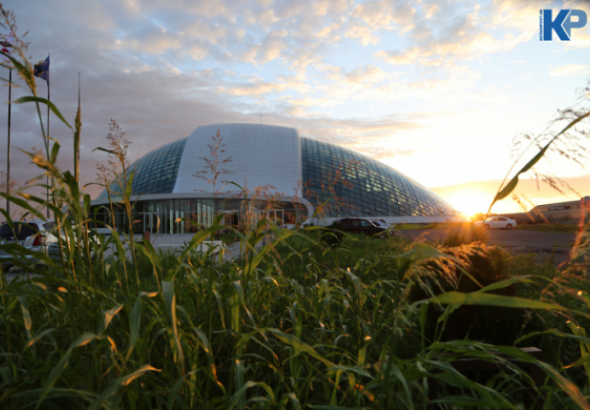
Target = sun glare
(470,202)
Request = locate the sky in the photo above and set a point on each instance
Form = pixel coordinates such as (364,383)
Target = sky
(444,91)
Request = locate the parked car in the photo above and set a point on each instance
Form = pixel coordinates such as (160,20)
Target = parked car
(308,222)
(35,235)
(383,224)
(17,235)
(360,225)
(35,232)
(497,222)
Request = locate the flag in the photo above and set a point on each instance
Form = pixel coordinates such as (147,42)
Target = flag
(42,69)
(7,45)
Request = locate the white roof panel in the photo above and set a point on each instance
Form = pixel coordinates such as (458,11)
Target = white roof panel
(259,155)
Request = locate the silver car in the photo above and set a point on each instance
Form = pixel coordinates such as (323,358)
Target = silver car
(497,222)
(35,232)
(35,235)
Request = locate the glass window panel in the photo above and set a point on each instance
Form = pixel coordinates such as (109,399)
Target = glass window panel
(154,172)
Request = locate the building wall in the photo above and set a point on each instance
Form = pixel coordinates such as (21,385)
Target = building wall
(570,211)
(189,215)
(173,181)
(367,187)
(257,156)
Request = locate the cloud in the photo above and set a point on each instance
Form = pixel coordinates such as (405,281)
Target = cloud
(157,105)
(153,40)
(570,69)
(461,41)
(363,34)
(365,74)
(384,14)
(361,134)
(373,84)
(272,46)
(202,8)
(163,69)
(401,57)
(211,32)
(430,10)
(465,31)
(254,88)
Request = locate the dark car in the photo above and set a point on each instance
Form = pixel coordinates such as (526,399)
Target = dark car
(334,235)
(359,225)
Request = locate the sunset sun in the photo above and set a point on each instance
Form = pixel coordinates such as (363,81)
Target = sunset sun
(470,202)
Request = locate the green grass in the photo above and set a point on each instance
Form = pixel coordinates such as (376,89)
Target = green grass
(305,325)
(550,227)
(438,225)
(405,227)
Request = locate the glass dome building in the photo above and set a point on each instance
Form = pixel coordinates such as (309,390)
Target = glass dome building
(266,171)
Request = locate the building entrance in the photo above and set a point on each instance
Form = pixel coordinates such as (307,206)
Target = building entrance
(151,222)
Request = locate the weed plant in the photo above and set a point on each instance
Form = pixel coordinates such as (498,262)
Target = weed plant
(293,324)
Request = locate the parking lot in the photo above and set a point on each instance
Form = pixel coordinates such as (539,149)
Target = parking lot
(541,244)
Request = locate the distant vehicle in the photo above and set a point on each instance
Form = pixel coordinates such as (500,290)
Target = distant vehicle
(383,224)
(359,225)
(34,235)
(497,222)
(35,232)
(308,222)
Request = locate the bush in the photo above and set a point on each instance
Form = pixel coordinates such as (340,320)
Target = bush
(466,236)
(476,267)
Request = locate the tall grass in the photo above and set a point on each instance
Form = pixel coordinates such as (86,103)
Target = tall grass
(307,326)
(293,324)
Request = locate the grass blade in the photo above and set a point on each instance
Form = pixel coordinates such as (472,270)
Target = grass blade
(475,298)
(170,302)
(119,384)
(61,365)
(45,101)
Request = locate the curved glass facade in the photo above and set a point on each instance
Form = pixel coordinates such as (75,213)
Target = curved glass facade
(368,188)
(171,216)
(154,173)
(341,182)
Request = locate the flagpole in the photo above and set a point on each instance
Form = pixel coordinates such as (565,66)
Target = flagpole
(8,155)
(77,143)
(42,71)
(47,143)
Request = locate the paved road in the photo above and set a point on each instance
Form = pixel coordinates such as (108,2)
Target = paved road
(516,241)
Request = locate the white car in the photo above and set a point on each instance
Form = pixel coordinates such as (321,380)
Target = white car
(35,235)
(497,222)
(35,232)
(383,224)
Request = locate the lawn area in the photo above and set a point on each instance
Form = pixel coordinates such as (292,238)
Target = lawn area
(550,227)
(440,225)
